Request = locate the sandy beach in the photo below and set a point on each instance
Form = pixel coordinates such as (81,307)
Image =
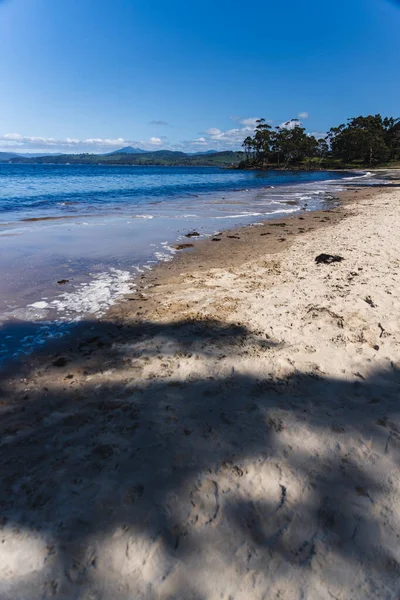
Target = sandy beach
(230,431)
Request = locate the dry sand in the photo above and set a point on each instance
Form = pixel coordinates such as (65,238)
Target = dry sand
(229,432)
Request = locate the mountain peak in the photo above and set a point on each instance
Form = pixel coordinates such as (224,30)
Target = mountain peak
(129,150)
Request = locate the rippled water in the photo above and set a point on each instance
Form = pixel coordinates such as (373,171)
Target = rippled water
(59,190)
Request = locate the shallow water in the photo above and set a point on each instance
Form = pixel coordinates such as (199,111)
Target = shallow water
(97,226)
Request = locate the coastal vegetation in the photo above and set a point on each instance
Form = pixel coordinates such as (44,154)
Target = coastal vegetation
(362,141)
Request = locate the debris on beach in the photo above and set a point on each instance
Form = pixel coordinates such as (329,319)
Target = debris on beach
(327,259)
(192,234)
(215,239)
(60,362)
(369,301)
(183,246)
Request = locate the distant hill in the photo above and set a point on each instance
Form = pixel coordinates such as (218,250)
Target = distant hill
(6,156)
(161,158)
(202,153)
(127,150)
(35,154)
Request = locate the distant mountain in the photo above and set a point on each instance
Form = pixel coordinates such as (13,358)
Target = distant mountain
(167,154)
(130,150)
(162,158)
(127,150)
(5,156)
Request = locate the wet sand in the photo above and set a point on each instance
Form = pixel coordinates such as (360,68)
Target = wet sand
(230,430)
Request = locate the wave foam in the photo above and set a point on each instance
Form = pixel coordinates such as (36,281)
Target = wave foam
(94,297)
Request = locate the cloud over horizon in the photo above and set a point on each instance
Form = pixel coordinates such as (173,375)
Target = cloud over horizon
(232,138)
(15,142)
(212,138)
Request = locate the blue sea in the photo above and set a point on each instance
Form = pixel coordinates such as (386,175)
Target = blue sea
(98,227)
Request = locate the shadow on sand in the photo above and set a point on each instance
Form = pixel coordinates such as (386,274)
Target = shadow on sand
(121,487)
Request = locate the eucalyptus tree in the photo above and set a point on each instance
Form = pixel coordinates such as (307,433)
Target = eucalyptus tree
(363,139)
(262,141)
(248,145)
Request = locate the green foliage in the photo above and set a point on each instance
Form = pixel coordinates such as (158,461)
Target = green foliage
(283,146)
(369,140)
(362,141)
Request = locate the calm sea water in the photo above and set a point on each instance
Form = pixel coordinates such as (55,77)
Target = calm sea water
(52,190)
(98,226)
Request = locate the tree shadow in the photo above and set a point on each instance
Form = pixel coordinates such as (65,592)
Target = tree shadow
(192,486)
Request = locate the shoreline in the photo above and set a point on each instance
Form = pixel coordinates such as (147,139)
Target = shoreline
(231,428)
(268,236)
(91,280)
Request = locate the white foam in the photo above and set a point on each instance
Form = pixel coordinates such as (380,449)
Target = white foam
(283,210)
(162,256)
(240,216)
(368,174)
(94,297)
(40,305)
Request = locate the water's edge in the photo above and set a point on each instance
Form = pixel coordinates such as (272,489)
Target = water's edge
(47,319)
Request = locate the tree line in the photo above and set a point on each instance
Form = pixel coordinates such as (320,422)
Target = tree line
(363,141)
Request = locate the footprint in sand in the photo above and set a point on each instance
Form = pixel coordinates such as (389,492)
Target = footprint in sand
(205,503)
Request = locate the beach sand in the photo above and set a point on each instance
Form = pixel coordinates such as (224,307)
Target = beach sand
(230,431)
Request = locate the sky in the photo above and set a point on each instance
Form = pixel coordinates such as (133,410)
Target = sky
(94,76)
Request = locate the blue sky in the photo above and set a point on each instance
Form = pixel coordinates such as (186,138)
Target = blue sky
(85,75)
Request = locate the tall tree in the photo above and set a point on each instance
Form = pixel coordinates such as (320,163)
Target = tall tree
(362,139)
(262,141)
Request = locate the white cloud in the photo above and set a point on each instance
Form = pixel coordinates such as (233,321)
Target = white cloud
(213,131)
(21,139)
(303,115)
(250,122)
(16,139)
(22,143)
(101,142)
(155,141)
(216,139)
(291,124)
(232,135)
